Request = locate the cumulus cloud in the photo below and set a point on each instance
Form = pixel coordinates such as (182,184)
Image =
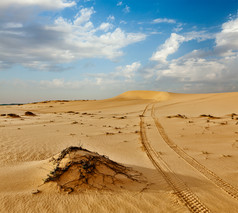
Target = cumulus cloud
(83,16)
(214,70)
(105,26)
(192,70)
(121,75)
(27,10)
(127,71)
(227,39)
(62,41)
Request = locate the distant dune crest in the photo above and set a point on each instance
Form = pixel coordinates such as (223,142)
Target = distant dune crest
(143,94)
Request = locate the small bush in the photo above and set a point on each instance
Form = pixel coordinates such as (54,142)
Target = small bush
(209,116)
(28,113)
(123,117)
(70,112)
(12,115)
(110,133)
(177,116)
(75,122)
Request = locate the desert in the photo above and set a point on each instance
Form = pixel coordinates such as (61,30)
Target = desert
(141,151)
(118,106)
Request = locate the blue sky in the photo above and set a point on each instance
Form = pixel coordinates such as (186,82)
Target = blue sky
(94,49)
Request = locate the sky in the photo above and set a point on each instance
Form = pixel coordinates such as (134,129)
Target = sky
(96,49)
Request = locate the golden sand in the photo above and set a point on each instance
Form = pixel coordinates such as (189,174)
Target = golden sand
(182,147)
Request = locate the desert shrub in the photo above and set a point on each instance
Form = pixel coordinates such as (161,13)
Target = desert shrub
(12,115)
(75,122)
(70,112)
(209,116)
(177,116)
(28,113)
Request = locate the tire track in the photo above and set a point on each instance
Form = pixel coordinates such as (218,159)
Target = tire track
(178,186)
(219,182)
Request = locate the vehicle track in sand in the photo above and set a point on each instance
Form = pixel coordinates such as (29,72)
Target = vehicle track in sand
(179,187)
(219,182)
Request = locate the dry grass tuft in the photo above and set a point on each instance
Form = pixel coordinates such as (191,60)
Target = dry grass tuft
(75,122)
(110,133)
(226,156)
(205,153)
(28,113)
(209,116)
(77,169)
(177,116)
(71,112)
(12,115)
(122,117)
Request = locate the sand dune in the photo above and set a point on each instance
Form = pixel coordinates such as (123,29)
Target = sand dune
(145,95)
(182,149)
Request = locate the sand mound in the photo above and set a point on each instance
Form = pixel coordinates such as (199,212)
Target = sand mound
(142,94)
(77,169)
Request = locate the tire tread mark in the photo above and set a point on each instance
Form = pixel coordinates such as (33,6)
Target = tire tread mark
(179,187)
(219,182)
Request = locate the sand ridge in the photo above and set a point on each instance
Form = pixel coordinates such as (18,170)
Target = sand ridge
(145,95)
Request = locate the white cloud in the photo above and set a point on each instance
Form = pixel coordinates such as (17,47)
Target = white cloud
(193,70)
(227,39)
(42,47)
(110,18)
(105,26)
(173,43)
(121,75)
(170,46)
(178,28)
(126,9)
(164,20)
(198,35)
(12,25)
(46,4)
(123,22)
(194,74)
(112,42)
(83,16)
(127,71)
(200,70)
(54,83)
(119,3)
(61,83)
